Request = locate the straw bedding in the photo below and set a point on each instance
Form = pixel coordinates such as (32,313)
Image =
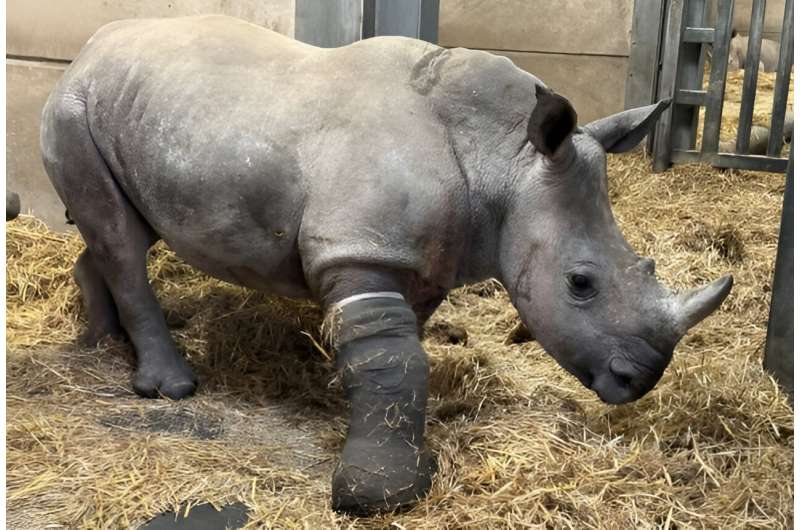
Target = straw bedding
(520,443)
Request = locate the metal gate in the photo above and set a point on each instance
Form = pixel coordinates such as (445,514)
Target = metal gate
(687,36)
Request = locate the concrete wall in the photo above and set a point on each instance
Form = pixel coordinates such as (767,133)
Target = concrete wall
(57,29)
(578,47)
(42,36)
(28,83)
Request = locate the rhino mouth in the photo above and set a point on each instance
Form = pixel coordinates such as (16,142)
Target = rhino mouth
(630,375)
(627,375)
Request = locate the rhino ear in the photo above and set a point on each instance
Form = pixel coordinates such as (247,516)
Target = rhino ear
(623,131)
(552,121)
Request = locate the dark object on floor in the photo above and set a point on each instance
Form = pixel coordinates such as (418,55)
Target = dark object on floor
(448,333)
(12,205)
(172,420)
(519,335)
(201,517)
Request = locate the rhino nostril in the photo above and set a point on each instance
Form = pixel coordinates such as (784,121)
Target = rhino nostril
(623,380)
(622,371)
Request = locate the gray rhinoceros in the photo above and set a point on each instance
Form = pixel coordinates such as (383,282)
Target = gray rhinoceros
(737,53)
(373,178)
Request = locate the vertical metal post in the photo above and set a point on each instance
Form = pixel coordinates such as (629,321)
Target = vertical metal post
(716,83)
(779,352)
(327,24)
(662,146)
(643,60)
(689,76)
(418,19)
(781,94)
(750,76)
(429,21)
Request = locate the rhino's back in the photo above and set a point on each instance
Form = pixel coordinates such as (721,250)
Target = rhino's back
(233,142)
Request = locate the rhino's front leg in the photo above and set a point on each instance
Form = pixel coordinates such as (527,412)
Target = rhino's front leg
(384,370)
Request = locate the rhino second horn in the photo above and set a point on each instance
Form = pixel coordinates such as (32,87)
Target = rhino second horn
(695,305)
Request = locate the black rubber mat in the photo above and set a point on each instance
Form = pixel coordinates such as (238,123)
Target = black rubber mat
(201,517)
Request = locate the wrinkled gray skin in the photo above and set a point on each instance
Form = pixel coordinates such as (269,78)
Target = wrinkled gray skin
(737,53)
(759,138)
(387,165)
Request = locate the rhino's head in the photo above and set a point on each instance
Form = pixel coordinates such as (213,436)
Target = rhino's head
(591,302)
(737,51)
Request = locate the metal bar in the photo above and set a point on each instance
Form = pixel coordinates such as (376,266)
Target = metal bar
(662,143)
(699,35)
(750,76)
(327,24)
(417,19)
(397,18)
(716,82)
(779,351)
(730,160)
(689,76)
(429,21)
(656,81)
(691,97)
(368,19)
(781,93)
(643,59)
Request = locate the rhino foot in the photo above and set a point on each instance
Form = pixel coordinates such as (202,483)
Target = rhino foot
(375,479)
(173,382)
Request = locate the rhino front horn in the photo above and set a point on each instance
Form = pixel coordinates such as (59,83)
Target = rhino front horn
(696,304)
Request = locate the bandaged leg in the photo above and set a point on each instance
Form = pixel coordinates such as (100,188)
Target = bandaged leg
(385,376)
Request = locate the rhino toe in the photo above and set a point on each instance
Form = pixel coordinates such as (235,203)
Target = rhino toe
(174,384)
(361,488)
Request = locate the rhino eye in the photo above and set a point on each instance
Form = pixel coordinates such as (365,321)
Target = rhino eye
(580,286)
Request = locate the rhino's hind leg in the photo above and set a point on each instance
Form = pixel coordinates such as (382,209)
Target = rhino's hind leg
(101,312)
(121,259)
(117,239)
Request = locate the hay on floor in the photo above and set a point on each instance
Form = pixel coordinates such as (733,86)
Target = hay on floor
(520,443)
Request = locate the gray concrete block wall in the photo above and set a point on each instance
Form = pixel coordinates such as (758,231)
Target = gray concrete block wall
(773,16)
(579,48)
(594,85)
(42,36)
(582,27)
(58,29)
(28,83)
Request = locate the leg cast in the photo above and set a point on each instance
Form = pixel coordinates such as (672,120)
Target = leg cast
(383,465)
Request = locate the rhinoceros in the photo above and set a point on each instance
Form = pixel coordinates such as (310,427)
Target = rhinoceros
(737,53)
(373,178)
